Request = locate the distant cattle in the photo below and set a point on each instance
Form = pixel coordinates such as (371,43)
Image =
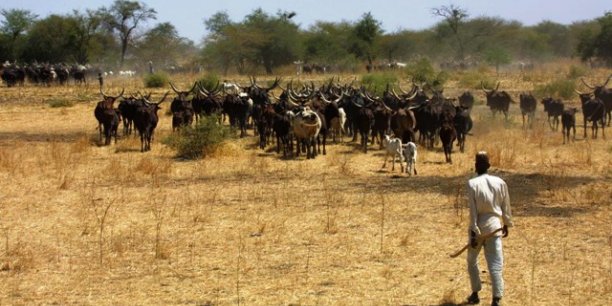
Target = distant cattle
(108,117)
(593,110)
(497,101)
(554,109)
(528,105)
(146,120)
(568,122)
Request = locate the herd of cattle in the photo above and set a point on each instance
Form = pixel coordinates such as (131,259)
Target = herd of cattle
(302,117)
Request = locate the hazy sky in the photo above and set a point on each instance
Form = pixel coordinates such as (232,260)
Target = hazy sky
(188,15)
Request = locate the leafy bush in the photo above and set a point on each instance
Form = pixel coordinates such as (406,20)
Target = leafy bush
(200,140)
(472,79)
(576,72)
(60,103)
(422,71)
(558,88)
(377,82)
(209,81)
(156,80)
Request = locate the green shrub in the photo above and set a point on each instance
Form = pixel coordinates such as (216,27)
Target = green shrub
(558,88)
(209,81)
(377,82)
(422,71)
(60,103)
(156,80)
(200,140)
(472,79)
(576,71)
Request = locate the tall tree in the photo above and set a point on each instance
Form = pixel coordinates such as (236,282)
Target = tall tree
(124,17)
(454,17)
(163,45)
(367,31)
(16,22)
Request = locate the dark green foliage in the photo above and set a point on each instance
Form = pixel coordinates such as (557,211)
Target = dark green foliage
(423,72)
(156,80)
(209,81)
(200,140)
(562,88)
(376,83)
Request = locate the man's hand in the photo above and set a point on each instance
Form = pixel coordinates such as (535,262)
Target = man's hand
(473,241)
(505,231)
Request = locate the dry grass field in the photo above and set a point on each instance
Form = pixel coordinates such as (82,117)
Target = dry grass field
(82,224)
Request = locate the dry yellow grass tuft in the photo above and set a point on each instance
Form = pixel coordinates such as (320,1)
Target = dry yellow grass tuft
(87,224)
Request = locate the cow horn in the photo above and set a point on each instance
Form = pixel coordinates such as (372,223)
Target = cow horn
(386,107)
(323,98)
(163,98)
(579,93)
(483,88)
(608,80)
(587,85)
(497,87)
(178,92)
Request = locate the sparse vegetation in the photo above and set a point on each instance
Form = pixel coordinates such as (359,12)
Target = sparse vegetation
(54,103)
(562,88)
(201,140)
(377,82)
(245,223)
(156,80)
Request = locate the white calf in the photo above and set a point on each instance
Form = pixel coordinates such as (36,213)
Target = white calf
(393,146)
(410,153)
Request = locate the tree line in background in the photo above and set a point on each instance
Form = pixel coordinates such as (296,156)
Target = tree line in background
(116,36)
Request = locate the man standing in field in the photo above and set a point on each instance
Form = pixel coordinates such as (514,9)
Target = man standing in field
(488,202)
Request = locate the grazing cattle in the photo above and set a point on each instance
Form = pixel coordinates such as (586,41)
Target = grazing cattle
(604,94)
(182,108)
(128,107)
(463,125)
(593,110)
(427,123)
(364,120)
(554,108)
(337,125)
(146,120)
(410,154)
(466,100)
(393,147)
(306,126)
(206,103)
(497,101)
(528,107)
(568,122)
(282,128)
(448,136)
(108,117)
(381,125)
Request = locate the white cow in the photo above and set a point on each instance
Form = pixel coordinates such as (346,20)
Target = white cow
(306,125)
(393,146)
(410,153)
(337,124)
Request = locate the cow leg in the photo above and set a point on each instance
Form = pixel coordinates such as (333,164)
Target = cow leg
(324,142)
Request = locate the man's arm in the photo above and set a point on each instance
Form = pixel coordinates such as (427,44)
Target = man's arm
(473,211)
(505,206)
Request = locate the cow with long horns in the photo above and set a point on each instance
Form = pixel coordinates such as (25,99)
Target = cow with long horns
(497,101)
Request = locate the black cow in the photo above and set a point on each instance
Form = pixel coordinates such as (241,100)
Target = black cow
(554,108)
(181,108)
(593,110)
(108,117)
(568,122)
(466,100)
(528,107)
(605,95)
(282,128)
(448,134)
(497,101)
(146,120)
(463,125)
